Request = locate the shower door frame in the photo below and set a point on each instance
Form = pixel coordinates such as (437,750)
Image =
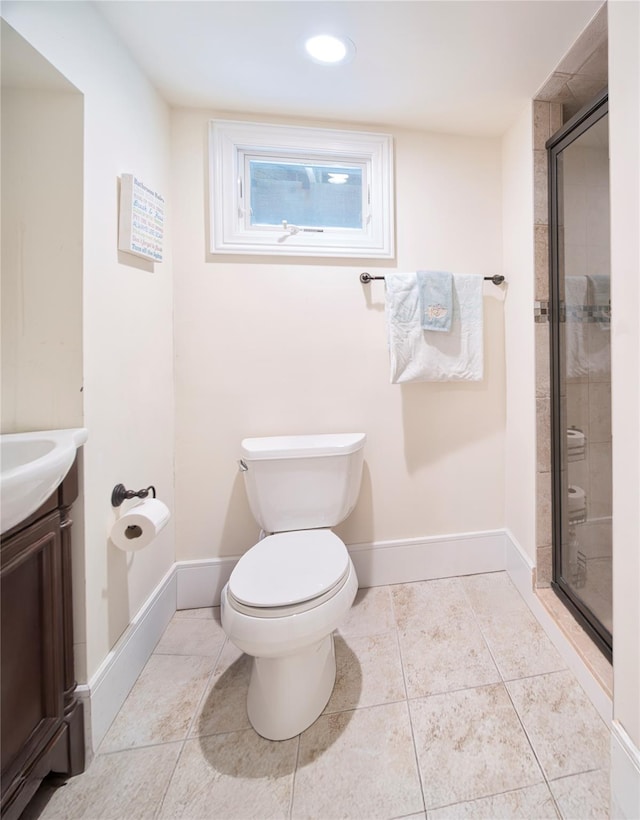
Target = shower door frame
(571,131)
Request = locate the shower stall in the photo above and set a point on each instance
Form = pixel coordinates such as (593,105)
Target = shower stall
(580,313)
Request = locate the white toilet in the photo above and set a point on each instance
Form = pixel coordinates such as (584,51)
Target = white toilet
(288,593)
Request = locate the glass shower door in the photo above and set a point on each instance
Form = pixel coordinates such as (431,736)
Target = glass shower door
(580,310)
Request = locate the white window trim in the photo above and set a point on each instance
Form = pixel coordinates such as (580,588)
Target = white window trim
(231,232)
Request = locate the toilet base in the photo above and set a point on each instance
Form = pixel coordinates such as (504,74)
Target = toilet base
(287,694)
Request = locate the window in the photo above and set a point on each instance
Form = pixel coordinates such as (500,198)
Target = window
(300,191)
(315,195)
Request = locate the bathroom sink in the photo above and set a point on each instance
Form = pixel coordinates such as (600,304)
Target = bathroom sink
(32,466)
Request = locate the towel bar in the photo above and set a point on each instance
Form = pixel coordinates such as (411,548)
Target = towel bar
(497,278)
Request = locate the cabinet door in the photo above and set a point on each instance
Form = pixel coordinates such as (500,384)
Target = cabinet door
(32,698)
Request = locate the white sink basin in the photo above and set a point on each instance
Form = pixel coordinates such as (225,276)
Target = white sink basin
(32,466)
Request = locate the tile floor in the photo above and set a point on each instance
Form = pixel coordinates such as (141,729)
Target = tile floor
(450,702)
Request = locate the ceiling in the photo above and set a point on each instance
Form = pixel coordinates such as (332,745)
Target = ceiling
(453,66)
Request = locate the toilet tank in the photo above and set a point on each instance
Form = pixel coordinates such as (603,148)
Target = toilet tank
(302,482)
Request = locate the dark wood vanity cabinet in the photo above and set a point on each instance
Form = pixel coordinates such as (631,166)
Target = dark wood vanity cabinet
(42,722)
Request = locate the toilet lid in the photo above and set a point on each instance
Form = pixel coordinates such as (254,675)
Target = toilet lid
(289,568)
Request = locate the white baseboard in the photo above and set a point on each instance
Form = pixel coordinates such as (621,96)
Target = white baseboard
(108,688)
(520,567)
(199,583)
(423,559)
(625,775)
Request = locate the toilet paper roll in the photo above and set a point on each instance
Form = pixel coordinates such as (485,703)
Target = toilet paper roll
(137,528)
(575,439)
(576,444)
(577,498)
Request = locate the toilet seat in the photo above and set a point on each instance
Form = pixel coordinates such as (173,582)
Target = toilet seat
(285,611)
(288,573)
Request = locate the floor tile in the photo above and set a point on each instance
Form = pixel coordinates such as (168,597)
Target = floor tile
(191,637)
(425,602)
(358,764)
(447,655)
(162,703)
(531,803)
(565,730)
(370,614)
(127,784)
(238,775)
(515,657)
(470,744)
(358,760)
(224,707)
(368,672)
(583,796)
(504,618)
(493,593)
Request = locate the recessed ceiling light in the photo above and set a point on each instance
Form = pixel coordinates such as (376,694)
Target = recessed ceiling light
(327,49)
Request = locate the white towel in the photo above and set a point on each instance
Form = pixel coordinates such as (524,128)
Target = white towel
(416,355)
(575,327)
(599,340)
(600,299)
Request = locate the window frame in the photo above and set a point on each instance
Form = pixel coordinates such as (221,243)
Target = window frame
(232,143)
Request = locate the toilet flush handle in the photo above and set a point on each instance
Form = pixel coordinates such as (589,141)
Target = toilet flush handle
(242,465)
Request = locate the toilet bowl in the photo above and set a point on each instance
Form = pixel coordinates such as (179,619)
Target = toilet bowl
(291,640)
(289,592)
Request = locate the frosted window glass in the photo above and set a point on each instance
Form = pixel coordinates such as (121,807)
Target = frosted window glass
(319,196)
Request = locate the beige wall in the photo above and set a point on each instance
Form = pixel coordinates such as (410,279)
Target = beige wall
(268,346)
(127,307)
(42,167)
(517,233)
(624,138)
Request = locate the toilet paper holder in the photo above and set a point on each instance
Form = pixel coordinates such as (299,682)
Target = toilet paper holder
(120,494)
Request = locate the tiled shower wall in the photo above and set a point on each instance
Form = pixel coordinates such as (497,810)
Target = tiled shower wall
(581,74)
